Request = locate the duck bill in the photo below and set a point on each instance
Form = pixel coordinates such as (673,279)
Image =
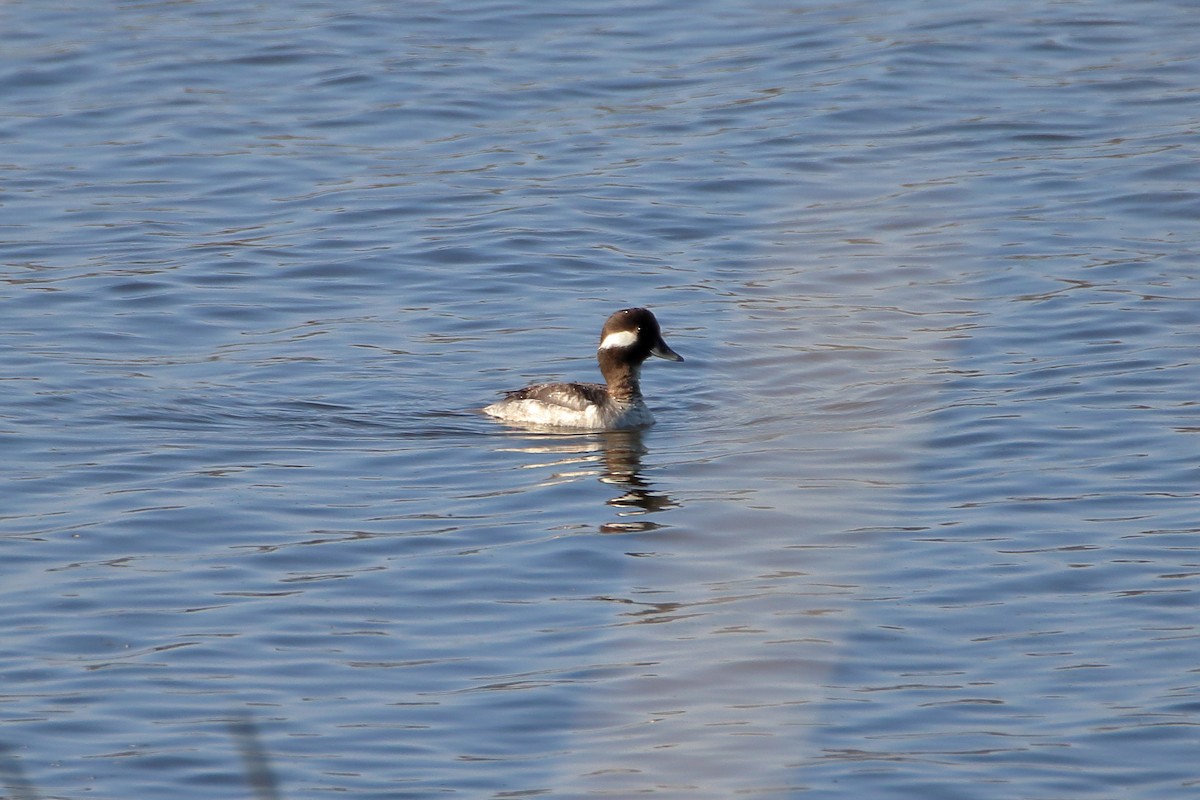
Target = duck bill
(662,351)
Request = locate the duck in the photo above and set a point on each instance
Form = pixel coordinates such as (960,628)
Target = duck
(628,338)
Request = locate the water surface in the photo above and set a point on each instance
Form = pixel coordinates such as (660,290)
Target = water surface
(919,517)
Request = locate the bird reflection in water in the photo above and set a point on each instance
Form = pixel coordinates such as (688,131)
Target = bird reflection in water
(623,452)
(619,453)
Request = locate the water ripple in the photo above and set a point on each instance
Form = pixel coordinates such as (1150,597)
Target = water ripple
(918,515)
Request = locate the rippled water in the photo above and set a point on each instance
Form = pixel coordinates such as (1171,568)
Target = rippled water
(919,518)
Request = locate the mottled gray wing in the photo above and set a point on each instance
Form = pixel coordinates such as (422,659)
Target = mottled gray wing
(576,396)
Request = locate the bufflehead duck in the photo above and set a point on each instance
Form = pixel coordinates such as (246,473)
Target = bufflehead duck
(629,337)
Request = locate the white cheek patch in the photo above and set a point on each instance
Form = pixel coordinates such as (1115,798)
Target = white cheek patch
(618,339)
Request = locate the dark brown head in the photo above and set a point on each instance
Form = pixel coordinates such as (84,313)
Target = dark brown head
(629,337)
(632,335)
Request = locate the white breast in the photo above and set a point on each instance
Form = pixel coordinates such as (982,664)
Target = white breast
(593,417)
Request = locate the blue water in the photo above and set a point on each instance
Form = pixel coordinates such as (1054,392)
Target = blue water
(919,518)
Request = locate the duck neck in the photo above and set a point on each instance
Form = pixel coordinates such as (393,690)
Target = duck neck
(623,378)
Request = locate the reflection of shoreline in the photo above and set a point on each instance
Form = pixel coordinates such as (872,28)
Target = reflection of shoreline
(621,453)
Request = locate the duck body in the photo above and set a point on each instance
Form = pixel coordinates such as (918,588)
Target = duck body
(628,338)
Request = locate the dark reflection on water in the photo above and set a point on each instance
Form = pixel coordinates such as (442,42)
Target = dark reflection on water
(918,519)
(617,456)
